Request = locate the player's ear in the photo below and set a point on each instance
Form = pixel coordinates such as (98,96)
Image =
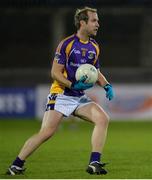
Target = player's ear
(82,23)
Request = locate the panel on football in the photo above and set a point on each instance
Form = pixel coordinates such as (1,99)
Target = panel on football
(87,70)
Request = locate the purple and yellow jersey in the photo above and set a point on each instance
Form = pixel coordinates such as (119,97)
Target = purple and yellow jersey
(72,52)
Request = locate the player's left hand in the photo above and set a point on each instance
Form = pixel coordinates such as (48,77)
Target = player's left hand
(81,85)
(109,91)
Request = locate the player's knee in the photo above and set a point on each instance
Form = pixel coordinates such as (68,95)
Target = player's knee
(106,119)
(46,134)
(102,119)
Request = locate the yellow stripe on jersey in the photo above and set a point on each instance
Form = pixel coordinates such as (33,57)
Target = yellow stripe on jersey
(68,49)
(57,87)
(61,43)
(98,51)
(84,42)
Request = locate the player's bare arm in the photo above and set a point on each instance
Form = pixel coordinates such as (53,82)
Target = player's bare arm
(57,74)
(102,81)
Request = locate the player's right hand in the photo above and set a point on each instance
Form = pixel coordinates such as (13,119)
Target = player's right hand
(81,85)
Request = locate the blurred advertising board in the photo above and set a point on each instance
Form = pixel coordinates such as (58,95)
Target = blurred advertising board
(17,102)
(42,92)
(131,101)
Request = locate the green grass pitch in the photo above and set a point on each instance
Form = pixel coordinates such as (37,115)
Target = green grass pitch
(128,150)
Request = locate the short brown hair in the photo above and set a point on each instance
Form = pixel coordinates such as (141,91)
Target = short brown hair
(82,14)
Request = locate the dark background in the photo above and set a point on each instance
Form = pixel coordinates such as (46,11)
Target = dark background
(31,30)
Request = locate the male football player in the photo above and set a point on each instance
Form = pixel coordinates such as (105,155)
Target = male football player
(67,95)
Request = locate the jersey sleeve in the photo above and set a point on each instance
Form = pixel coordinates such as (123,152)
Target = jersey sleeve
(97,65)
(60,54)
(96,61)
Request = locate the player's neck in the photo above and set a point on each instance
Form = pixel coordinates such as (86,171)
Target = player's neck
(82,36)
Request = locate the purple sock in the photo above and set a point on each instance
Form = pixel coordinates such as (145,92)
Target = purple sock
(18,162)
(95,156)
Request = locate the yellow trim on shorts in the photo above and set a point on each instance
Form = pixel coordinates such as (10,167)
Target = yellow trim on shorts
(51,102)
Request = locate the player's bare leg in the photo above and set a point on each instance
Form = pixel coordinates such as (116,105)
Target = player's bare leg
(51,121)
(94,113)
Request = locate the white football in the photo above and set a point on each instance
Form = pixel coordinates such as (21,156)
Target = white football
(87,70)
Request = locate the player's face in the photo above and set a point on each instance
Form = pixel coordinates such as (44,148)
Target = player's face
(93,24)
